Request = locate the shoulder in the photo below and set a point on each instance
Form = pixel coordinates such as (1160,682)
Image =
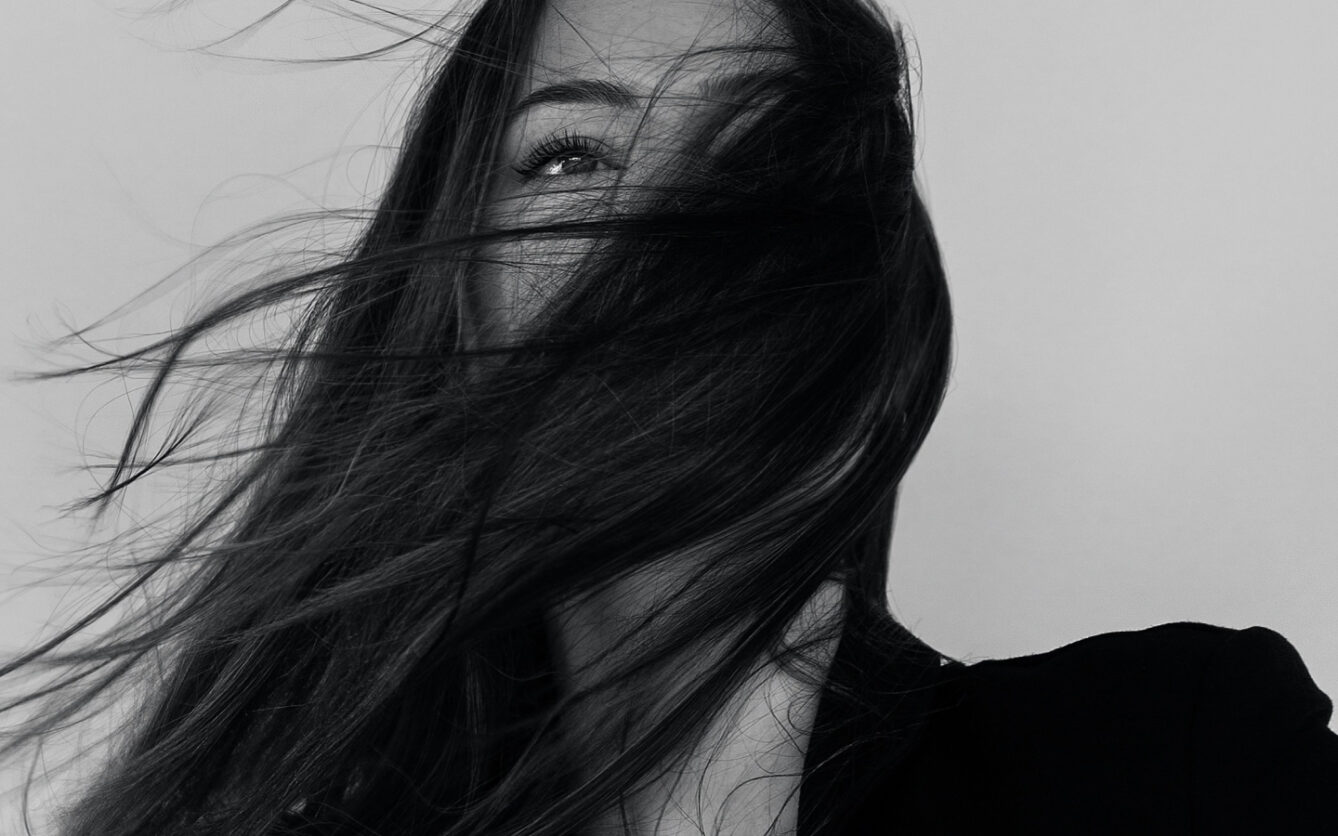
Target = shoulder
(1183,727)
(1190,660)
(1184,662)
(1109,698)
(1185,672)
(1175,671)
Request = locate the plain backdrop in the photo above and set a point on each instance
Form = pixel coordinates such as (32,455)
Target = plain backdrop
(1136,202)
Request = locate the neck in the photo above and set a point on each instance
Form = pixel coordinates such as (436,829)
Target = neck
(745,772)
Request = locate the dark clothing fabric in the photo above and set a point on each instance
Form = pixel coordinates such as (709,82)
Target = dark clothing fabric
(1183,728)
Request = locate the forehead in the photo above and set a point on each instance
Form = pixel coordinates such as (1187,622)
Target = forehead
(637,41)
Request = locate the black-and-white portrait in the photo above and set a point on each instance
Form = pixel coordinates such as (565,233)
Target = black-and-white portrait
(714,417)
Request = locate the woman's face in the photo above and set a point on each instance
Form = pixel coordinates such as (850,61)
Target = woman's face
(585,121)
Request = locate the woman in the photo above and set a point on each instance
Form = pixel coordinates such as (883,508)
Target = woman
(572,509)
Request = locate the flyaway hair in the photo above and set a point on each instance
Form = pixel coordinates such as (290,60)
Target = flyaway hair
(750,352)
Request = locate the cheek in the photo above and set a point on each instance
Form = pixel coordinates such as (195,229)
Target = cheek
(516,278)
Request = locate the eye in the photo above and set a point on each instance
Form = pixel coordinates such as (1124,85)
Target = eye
(564,156)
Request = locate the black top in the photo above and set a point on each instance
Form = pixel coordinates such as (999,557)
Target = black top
(1182,728)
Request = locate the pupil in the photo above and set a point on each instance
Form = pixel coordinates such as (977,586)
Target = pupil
(577,164)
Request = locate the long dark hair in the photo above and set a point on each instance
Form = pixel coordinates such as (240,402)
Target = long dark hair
(357,641)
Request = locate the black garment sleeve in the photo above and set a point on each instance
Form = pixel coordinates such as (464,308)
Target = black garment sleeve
(1265,760)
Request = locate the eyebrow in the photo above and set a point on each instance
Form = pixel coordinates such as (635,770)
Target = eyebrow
(580,91)
(611,94)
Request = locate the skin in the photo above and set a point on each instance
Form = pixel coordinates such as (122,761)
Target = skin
(749,763)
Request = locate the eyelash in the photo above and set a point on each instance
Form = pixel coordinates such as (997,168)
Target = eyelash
(561,145)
